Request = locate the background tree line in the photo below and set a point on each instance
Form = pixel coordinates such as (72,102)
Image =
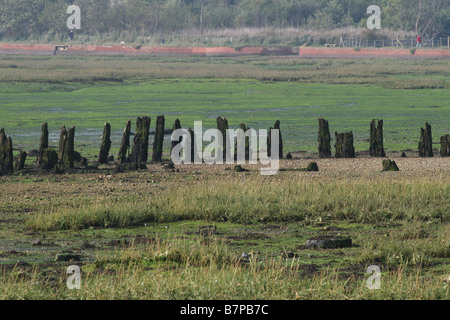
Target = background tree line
(22,19)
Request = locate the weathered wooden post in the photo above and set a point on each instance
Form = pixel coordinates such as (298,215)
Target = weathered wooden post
(6,154)
(192,136)
(280,140)
(243,127)
(222,126)
(139,153)
(376,139)
(445,146)
(125,144)
(176,126)
(159,139)
(49,159)
(324,139)
(426,142)
(106,145)
(43,143)
(269,140)
(20,163)
(344,145)
(66,148)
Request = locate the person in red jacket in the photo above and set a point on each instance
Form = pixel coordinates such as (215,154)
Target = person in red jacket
(419,41)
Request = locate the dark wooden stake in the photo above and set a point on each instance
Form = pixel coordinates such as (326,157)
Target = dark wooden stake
(106,145)
(280,140)
(222,125)
(344,145)
(246,144)
(125,144)
(139,153)
(445,146)
(43,143)
(6,154)
(425,142)
(324,139)
(176,126)
(66,148)
(49,159)
(191,134)
(376,139)
(159,139)
(20,163)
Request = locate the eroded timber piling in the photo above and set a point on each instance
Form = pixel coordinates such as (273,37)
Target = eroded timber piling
(139,153)
(222,126)
(269,140)
(376,139)
(344,145)
(6,153)
(49,159)
(445,146)
(125,144)
(426,142)
(66,148)
(324,139)
(244,129)
(176,126)
(20,163)
(43,143)
(106,145)
(159,139)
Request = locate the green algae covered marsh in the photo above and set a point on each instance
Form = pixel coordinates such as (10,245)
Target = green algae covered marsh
(86,92)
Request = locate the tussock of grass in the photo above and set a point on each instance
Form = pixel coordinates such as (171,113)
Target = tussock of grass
(128,276)
(257,199)
(407,248)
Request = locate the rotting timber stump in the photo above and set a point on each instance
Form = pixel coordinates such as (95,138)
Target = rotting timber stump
(159,139)
(106,145)
(49,159)
(376,139)
(6,154)
(445,146)
(246,139)
(176,126)
(222,126)
(125,144)
(276,126)
(139,153)
(20,163)
(344,145)
(324,139)
(426,141)
(312,166)
(389,165)
(43,142)
(66,148)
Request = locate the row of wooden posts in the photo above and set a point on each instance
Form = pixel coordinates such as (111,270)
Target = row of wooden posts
(344,142)
(64,158)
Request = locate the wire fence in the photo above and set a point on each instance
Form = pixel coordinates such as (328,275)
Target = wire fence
(405,43)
